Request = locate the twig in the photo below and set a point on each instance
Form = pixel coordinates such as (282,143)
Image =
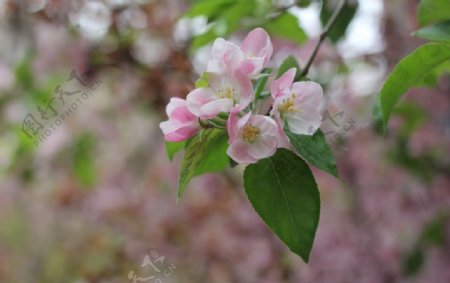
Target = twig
(323,35)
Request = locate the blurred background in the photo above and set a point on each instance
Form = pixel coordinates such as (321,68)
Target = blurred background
(87,193)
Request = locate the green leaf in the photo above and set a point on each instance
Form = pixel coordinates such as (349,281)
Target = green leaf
(83,161)
(431,79)
(433,11)
(202,81)
(436,32)
(173,147)
(288,63)
(23,73)
(261,82)
(227,21)
(286,26)
(343,21)
(434,231)
(203,39)
(314,149)
(284,193)
(206,152)
(209,8)
(216,159)
(411,70)
(413,262)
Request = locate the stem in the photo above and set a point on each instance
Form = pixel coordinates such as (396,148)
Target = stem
(323,35)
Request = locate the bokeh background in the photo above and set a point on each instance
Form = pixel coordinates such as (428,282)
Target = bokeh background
(92,198)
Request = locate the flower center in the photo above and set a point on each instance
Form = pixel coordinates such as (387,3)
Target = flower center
(227,92)
(287,105)
(250,133)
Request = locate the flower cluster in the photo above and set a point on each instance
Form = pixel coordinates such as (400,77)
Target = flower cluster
(228,101)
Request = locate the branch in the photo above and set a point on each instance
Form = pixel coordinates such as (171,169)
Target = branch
(323,35)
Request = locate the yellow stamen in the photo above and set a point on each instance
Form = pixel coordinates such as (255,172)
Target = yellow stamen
(250,133)
(287,105)
(226,93)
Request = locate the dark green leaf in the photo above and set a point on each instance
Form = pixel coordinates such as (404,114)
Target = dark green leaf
(413,262)
(286,26)
(436,32)
(433,11)
(173,147)
(314,149)
(288,63)
(206,152)
(434,232)
(284,193)
(411,70)
(343,21)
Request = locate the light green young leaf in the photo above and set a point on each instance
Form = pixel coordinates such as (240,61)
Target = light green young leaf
(433,11)
(315,150)
(436,32)
(206,152)
(261,82)
(224,23)
(173,147)
(202,81)
(410,71)
(286,26)
(284,193)
(208,8)
(84,161)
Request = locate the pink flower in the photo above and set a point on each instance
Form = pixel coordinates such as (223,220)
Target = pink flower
(257,49)
(182,124)
(254,55)
(226,57)
(298,104)
(252,137)
(225,93)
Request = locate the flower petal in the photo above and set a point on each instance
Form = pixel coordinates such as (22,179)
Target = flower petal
(309,93)
(263,147)
(282,85)
(197,98)
(211,109)
(174,103)
(228,55)
(232,127)
(238,151)
(304,122)
(257,44)
(283,140)
(245,91)
(265,124)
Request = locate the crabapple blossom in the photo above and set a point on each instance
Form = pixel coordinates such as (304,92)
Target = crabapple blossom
(257,49)
(251,137)
(299,104)
(225,93)
(182,124)
(254,55)
(226,57)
